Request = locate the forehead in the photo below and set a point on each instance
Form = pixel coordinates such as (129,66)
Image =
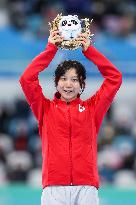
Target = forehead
(71,72)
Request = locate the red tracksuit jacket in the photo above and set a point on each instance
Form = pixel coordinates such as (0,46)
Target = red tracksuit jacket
(69,131)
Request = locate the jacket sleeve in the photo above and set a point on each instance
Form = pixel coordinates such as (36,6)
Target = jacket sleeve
(112,80)
(30,83)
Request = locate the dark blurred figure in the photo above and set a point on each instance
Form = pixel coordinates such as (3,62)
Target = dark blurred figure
(22,109)
(19,164)
(18,12)
(4,118)
(18,175)
(78,7)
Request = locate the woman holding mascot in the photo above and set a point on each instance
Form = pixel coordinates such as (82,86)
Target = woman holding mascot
(68,125)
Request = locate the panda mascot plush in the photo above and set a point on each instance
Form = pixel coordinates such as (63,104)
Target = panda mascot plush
(69,27)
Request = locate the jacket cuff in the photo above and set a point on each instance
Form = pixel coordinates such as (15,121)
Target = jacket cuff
(51,45)
(89,49)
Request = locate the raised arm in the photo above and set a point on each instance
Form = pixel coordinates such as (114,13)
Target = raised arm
(29,79)
(112,76)
(103,98)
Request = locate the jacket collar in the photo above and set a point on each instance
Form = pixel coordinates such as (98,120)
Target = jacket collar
(59,101)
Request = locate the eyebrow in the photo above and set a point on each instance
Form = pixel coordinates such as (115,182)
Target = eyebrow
(75,76)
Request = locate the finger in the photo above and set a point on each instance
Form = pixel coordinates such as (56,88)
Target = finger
(84,38)
(55,37)
(53,33)
(81,42)
(58,37)
(58,40)
(84,35)
(81,39)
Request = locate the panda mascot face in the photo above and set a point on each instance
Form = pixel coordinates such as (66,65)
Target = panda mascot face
(69,27)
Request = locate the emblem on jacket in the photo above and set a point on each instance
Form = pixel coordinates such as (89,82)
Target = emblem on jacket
(81,108)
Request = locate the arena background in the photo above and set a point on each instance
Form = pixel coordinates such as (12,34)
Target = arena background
(24,32)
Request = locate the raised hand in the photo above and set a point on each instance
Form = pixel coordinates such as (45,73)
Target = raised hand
(83,38)
(55,37)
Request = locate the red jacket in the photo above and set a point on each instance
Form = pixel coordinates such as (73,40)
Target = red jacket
(69,131)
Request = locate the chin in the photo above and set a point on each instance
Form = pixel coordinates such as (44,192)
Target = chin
(70,99)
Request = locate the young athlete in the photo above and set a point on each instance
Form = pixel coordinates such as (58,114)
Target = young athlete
(69,126)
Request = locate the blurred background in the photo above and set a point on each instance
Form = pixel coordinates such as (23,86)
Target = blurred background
(24,33)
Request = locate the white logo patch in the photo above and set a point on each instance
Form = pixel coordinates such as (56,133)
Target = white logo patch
(81,108)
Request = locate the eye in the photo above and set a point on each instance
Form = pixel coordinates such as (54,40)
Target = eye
(63,78)
(64,23)
(75,80)
(74,22)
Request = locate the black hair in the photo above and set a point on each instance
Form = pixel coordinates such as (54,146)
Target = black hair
(66,65)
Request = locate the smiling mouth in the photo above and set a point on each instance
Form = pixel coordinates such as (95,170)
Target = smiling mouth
(68,91)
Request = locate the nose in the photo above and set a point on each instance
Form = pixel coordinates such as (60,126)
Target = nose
(68,83)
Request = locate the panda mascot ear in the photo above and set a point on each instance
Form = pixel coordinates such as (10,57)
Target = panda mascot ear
(83,25)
